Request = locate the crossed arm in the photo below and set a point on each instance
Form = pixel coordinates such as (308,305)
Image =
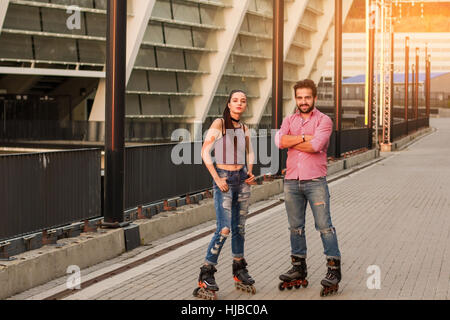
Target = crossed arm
(312,144)
(296,142)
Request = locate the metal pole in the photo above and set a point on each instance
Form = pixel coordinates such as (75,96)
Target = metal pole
(428,87)
(115,111)
(371,16)
(426,83)
(391,125)
(406,80)
(338,74)
(416,86)
(277,68)
(382,74)
(413,81)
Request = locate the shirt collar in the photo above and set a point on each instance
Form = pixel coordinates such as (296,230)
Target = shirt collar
(313,112)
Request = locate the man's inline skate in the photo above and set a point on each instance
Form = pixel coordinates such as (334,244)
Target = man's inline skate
(242,280)
(207,285)
(330,284)
(296,276)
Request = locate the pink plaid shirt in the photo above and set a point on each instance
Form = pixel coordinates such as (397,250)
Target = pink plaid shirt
(304,165)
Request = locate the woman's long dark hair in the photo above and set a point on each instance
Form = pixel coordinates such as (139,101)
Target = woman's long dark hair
(226,112)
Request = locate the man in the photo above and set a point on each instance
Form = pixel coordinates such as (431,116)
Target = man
(306,134)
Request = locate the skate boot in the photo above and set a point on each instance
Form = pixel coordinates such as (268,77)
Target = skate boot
(331,281)
(296,276)
(242,280)
(207,285)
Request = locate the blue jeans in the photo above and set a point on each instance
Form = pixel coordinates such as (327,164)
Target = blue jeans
(231,212)
(298,193)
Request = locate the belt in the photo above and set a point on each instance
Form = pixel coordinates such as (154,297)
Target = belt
(314,179)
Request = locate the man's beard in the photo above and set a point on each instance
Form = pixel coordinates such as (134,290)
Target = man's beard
(308,110)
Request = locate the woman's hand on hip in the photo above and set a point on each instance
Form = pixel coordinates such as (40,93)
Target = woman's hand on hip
(250,179)
(221,183)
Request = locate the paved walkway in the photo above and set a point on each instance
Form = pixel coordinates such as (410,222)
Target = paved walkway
(394,215)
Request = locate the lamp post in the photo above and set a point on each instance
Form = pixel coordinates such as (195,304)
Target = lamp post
(416,86)
(115,111)
(406,81)
(429,85)
(338,75)
(370,52)
(277,69)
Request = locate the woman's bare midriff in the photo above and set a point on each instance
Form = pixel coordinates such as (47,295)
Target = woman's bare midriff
(230,167)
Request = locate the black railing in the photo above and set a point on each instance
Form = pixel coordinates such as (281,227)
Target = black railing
(164,171)
(400,129)
(153,174)
(354,139)
(40,191)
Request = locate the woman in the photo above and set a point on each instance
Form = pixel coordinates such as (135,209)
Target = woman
(231,141)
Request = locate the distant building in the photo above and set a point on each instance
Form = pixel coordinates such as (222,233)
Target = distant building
(353,88)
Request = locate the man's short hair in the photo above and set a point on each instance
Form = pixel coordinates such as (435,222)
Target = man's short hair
(306,83)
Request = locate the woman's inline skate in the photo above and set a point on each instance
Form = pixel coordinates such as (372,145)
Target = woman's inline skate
(207,285)
(242,280)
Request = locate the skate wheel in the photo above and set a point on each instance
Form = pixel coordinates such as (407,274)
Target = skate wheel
(281,286)
(298,286)
(305,284)
(253,290)
(322,292)
(195,293)
(289,288)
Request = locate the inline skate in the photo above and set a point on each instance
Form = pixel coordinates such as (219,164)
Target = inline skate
(242,280)
(207,285)
(296,276)
(330,284)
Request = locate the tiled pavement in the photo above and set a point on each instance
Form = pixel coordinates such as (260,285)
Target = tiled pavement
(394,214)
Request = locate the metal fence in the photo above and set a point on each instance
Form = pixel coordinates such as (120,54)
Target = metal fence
(39,191)
(153,174)
(354,139)
(402,129)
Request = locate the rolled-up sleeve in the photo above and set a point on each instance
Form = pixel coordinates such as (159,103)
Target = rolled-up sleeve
(283,131)
(322,134)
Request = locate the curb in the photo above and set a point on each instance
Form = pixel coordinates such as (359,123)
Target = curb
(404,142)
(36,267)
